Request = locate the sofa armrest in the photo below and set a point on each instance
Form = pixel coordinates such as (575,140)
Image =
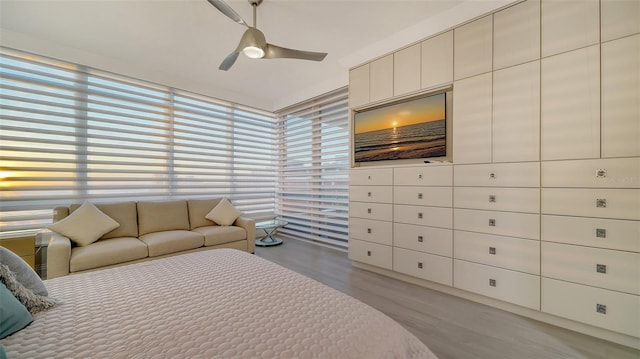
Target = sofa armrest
(249,224)
(58,254)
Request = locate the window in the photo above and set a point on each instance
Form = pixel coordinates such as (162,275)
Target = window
(312,189)
(70,133)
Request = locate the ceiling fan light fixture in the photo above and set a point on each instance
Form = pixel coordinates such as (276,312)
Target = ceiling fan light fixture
(253,52)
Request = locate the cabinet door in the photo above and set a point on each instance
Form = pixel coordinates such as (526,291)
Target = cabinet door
(570,112)
(620,97)
(359,86)
(569,25)
(423,265)
(503,284)
(371,253)
(602,308)
(473,45)
(472,119)
(516,113)
(381,79)
(437,60)
(406,70)
(619,19)
(516,34)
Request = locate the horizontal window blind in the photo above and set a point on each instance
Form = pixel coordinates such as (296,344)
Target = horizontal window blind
(313,163)
(71,133)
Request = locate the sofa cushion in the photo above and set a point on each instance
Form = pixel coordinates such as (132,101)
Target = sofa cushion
(85,225)
(162,216)
(198,209)
(107,252)
(166,242)
(125,213)
(223,213)
(214,235)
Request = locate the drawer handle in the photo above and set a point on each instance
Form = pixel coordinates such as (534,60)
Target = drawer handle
(368,253)
(369,230)
(492,282)
(420,176)
(368,177)
(419,195)
(601,268)
(492,198)
(492,175)
(601,203)
(601,308)
(492,222)
(419,265)
(369,210)
(420,215)
(368,194)
(601,233)
(492,250)
(601,172)
(420,239)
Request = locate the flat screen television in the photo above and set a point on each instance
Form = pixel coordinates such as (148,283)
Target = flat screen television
(415,128)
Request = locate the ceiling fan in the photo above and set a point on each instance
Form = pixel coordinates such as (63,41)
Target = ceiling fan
(253,43)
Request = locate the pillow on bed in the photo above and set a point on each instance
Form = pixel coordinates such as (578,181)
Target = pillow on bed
(23,271)
(85,225)
(13,315)
(224,214)
(33,302)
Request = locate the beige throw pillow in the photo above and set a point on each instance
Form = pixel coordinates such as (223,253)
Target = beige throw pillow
(85,225)
(223,213)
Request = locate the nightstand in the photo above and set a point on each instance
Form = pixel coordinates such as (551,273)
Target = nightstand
(25,247)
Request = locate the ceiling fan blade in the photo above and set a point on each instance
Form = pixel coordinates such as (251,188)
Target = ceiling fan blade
(275,52)
(229,61)
(228,11)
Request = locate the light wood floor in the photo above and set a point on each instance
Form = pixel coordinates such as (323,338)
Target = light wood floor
(452,327)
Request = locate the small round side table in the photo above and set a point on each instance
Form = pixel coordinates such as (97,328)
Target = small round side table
(269,227)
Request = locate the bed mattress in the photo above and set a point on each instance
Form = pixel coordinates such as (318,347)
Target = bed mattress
(219,303)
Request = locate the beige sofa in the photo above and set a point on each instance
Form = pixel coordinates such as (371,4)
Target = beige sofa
(147,230)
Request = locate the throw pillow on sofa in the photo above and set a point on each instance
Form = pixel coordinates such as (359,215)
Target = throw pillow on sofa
(224,214)
(85,225)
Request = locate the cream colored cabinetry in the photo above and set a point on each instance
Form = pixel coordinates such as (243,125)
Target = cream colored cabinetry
(437,60)
(472,119)
(473,45)
(423,218)
(370,215)
(569,25)
(497,231)
(406,64)
(359,86)
(381,79)
(591,240)
(516,34)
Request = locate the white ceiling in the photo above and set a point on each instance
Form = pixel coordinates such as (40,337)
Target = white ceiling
(181,43)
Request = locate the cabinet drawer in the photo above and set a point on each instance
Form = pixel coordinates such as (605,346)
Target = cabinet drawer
(603,268)
(593,232)
(381,211)
(525,174)
(423,239)
(375,254)
(380,194)
(423,196)
(371,177)
(619,312)
(600,173)
(423,265)
(498,199)
(503,284)
(517,254)
(423,176)
(424,216)
(522,225)
(588,202)
(371,230)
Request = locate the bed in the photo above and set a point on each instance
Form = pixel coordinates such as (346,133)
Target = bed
(220,303)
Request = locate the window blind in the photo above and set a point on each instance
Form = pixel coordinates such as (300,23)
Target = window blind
(71,133)
(313,169)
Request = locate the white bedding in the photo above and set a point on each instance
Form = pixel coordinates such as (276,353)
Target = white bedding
(213,304)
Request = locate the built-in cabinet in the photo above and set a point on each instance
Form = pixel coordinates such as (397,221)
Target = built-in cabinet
(540,205)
